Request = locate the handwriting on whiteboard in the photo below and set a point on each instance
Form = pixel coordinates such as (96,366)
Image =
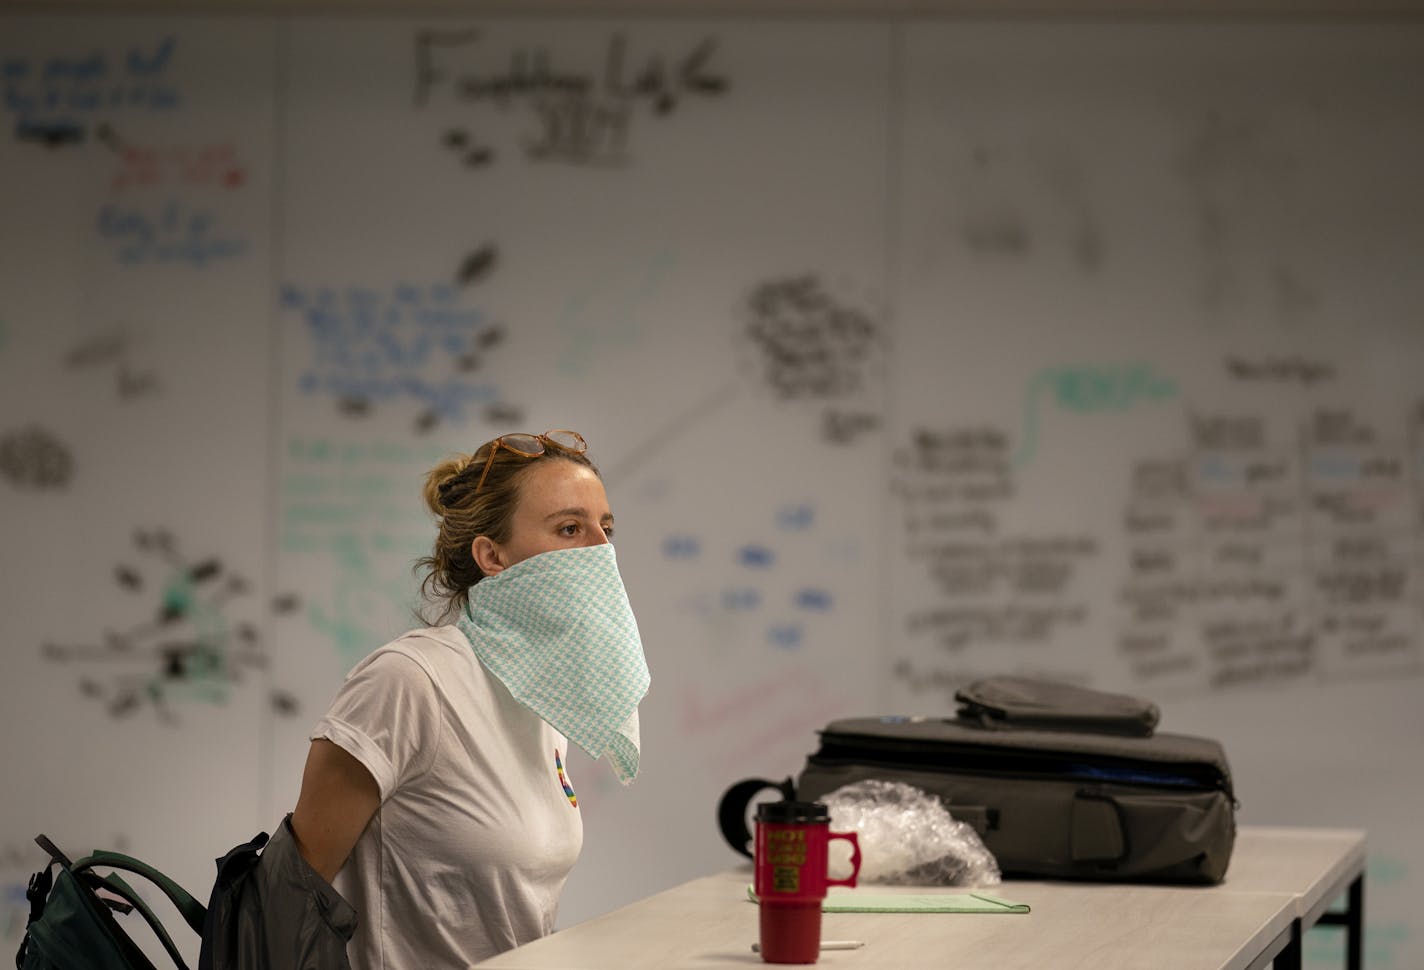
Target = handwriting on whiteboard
(53,97)
(581,115)
(1090,390)
(172,232)
(404,342)
(144,166)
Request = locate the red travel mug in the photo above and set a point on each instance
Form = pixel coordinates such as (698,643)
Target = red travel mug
(790,877)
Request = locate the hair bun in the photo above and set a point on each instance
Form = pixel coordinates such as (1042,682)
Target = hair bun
(444,481)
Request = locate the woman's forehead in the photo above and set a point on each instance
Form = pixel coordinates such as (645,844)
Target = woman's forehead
(554,485)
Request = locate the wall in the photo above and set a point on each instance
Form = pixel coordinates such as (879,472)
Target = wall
(912,350)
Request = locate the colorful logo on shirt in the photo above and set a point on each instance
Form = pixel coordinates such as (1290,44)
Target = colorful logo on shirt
(568,789)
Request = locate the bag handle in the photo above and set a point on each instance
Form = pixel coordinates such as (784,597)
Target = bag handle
(192,911)
(1024,703)
(732,809)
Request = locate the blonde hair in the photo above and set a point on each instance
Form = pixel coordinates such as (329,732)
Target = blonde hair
(462,513)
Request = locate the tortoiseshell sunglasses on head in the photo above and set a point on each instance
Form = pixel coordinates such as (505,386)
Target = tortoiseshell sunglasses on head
(533,445)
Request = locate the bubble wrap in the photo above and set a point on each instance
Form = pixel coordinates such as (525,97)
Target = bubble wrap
(908,837)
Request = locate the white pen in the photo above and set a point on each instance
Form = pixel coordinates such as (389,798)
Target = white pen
(827,945)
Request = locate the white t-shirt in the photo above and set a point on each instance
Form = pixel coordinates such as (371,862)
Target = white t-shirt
(478,825)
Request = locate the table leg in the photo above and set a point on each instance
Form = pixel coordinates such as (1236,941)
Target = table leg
(1290,957)
(1356,928)
(1353,919)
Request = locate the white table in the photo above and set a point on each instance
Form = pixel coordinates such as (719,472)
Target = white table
(1279,882)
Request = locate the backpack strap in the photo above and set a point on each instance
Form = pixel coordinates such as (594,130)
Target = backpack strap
(114,884)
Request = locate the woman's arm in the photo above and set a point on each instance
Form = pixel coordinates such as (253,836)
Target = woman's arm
(337,800)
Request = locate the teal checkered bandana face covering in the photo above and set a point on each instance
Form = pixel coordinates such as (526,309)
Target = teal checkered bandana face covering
(558,632)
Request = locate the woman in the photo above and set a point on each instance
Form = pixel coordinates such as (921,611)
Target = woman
(435,796)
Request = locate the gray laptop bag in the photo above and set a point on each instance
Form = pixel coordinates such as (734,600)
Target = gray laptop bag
(1057,780)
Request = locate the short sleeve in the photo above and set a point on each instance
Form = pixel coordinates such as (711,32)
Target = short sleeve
(387,715)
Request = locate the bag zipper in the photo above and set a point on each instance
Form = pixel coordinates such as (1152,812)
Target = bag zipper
(1021,763)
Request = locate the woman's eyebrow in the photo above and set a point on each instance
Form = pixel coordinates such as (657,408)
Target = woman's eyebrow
(578,512)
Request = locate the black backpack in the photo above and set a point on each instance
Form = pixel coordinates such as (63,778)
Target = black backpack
(72,924)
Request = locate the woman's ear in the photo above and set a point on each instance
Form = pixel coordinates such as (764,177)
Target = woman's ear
(488,555)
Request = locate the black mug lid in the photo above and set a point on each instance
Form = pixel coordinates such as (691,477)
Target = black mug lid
(789,812)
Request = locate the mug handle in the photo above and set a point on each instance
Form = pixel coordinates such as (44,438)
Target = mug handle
(854,858)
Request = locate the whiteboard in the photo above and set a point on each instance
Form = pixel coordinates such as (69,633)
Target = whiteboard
(910,350)
(1158,399)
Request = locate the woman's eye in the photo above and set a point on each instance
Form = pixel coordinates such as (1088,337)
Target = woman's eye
(608,532)
(569,530)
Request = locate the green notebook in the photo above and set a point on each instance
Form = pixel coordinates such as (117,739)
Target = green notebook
(914,903)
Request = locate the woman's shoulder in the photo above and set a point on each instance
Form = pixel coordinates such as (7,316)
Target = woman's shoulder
(438,650)
(428,639)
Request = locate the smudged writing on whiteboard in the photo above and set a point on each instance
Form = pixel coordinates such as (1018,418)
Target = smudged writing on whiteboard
(989,588)
(346,503)
(1090,390)
(1302,371)
(788,610)
(583,114)
(173,232)
(35,458)
(188,649)
(52,97)
(409,341)
(805,343)
(188,166)
(1266,558)
(610,309)
(111,352)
